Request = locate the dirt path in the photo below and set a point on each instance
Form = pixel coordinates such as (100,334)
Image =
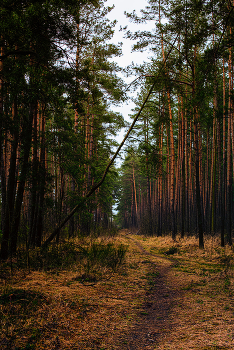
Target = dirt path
(155,322)
(167,296)
(188,306)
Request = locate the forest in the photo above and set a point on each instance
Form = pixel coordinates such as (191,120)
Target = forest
(138,246)
(58,82)
(178,176)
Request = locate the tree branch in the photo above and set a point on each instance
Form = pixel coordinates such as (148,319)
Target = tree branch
(17,52)
(96,186)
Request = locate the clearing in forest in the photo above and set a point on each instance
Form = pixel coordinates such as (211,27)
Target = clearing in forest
(166,295)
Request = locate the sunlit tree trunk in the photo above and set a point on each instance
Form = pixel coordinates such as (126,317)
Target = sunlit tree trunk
(135,196)
(160,182)
(229,161)
(213,175)
(197,162)
(149,209)
(223,202)
(182,155)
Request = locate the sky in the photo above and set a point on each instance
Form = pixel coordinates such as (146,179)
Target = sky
(118,14)
(128,57)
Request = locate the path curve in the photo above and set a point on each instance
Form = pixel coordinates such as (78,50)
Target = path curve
(155,322)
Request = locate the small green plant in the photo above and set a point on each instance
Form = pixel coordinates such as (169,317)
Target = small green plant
(103,255)
(53,257)
(171,251)
(153,274)
(226,262)
(133,266)
(199,301)
(92,256)
(227,282)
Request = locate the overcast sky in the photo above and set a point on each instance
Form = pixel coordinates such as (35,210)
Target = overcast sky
(118,14)
(128,56)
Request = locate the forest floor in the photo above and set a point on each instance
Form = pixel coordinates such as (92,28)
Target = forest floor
(167,295)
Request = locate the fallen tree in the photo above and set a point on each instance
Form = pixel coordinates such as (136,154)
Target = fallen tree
(97,185)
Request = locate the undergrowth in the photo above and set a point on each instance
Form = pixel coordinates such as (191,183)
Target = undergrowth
(89,255)
(27,313)
(17,306)
(65,295)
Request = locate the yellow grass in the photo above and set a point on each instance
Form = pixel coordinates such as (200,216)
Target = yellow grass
(197,288)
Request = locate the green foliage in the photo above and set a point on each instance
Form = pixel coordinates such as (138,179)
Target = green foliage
(190,95)
(226,262)
(55,257)
(61,114)
(171,251)
(103,255)
(91,257)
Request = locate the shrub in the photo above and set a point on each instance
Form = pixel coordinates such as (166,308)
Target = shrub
(90,256)
(104,255)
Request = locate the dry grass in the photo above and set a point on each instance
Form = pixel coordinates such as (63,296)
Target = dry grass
(61,310)
(202,315)
(58,309)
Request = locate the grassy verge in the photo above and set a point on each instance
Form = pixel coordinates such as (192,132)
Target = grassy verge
(78,295)
(90,294)
(203,313)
